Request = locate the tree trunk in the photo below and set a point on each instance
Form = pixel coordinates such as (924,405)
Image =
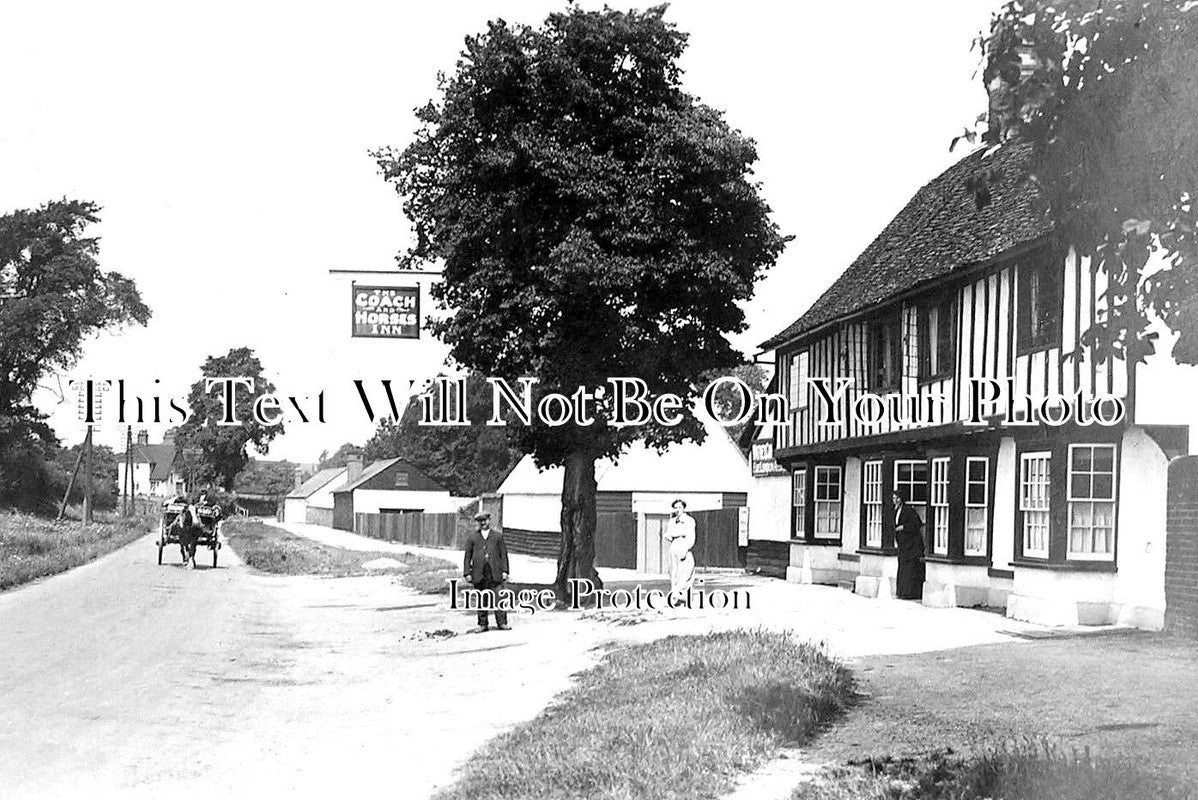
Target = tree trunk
(576,559)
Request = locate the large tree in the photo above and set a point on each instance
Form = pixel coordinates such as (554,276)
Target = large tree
(53,297)
(467,460)
(592,219)
(1106,93)
(215,453)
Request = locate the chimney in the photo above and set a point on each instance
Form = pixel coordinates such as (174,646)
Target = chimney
(143,437)
(299,477)
(353,466)
(169,436)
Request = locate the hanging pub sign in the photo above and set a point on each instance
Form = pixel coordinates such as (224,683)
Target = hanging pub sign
(386,312)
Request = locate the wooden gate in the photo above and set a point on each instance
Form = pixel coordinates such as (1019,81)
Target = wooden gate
(651,548)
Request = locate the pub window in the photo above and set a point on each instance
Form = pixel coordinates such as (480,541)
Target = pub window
(871,493)
(401,479)
(1041,289)
(1092,501)
(885,353)
(977,505)
(798,501)
(1034,477)
(937,330)
(940,506)
(827,502)
(911,483)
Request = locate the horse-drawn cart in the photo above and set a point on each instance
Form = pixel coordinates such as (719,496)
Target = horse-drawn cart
(205,523)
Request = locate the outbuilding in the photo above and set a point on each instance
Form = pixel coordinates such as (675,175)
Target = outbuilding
(304,503)
(633,503)
(391,486)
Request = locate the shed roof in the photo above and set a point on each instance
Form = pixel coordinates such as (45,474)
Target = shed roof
(317,482)
(419,480)
(716,465)
(943,228)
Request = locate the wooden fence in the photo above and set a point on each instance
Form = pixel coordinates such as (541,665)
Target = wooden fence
(716,538)
(447,531)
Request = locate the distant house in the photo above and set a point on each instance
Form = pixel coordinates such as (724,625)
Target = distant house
(633,499)
(157,470)
(312,500)
(392,486)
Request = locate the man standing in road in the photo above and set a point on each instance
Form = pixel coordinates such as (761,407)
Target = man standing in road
(485,566)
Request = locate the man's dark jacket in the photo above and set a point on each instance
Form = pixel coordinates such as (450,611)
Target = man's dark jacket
(481,551)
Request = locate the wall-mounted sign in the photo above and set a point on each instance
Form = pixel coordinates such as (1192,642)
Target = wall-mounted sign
(761,459)
(386,312)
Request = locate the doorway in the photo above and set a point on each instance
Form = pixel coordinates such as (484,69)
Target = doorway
(651,547)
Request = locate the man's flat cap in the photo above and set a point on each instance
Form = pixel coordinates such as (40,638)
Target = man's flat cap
(482,515)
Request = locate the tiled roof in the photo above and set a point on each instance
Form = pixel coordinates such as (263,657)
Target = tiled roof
(941,229)
(367,474)
(160,457)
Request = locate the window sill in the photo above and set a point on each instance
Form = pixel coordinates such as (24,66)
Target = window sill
(925,380)
(878,551)
(968,561)
(1067,566)
(1032,349)
(817,542)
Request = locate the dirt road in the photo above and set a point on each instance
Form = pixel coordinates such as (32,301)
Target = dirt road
(124,678)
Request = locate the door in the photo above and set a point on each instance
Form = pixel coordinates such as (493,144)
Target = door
(651,552)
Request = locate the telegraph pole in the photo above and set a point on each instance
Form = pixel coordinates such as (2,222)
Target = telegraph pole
(127,482)
(87,476)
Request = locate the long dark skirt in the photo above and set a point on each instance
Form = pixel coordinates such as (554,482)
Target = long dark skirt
(909,585)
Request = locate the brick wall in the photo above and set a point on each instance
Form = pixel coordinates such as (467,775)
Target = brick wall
(1181,559)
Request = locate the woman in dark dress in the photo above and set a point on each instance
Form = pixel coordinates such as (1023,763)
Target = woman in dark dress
(908,536)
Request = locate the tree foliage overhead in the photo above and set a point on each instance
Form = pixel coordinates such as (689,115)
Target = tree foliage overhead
(1107,94)
(592,220)
(215,453)
(467,460)
(265,477)
(53,297)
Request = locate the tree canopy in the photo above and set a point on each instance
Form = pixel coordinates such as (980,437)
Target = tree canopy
(467,460)
(1107,95)
(592,220)
(53,297)
(216,453)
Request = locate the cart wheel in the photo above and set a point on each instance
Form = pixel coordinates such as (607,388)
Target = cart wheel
(214,549)
(160,546)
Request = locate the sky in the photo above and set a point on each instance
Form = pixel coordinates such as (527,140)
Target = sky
(228,144)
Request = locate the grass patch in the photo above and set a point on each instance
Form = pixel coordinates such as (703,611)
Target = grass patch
(676,718)
(1029,770)
(277,551)
(34,547)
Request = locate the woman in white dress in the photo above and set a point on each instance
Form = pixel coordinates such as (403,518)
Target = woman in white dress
(680,533)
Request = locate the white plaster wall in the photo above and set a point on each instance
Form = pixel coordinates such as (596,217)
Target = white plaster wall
(323,497)
(769,508)
(1165,390)
(532,512)
(1003,504)
(141,477)
(813,564)
(295,509)
(1143,505)
(369,501)
(850,516)
(660,502)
